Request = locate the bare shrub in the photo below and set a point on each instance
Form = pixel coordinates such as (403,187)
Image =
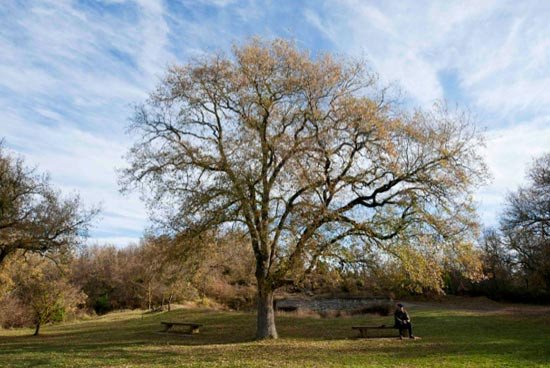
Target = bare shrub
(13,313)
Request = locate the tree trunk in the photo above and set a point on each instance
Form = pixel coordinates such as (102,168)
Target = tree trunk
(149,298)
(3,255)
(37,329)
(265,328)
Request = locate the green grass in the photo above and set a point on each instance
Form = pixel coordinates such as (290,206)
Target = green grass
(451,337)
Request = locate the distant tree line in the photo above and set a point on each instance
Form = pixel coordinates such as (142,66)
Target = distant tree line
(151,275)
(216,270)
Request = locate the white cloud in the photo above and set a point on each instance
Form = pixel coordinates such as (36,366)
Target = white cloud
(221,3)
(81,162)
(154,53)
(521,94)
(509,153)
(392,43)
(69,72)
(67,77)
(497,49)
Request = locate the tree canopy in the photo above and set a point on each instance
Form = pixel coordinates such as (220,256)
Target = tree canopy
(34,217)
(310,157)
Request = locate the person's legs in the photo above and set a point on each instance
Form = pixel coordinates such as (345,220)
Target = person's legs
(410,328)
(401,328)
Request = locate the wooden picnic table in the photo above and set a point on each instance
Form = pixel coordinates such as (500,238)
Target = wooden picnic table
(193,328)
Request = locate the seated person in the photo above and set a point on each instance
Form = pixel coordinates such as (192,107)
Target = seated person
(403,321)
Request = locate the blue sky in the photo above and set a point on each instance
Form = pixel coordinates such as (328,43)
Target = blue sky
(71,70)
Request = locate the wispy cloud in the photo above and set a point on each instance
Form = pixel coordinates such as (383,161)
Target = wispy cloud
(70,71)
(497,53)
(68,75)
(509,153)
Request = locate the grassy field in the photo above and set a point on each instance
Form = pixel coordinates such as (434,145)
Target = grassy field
(453,335)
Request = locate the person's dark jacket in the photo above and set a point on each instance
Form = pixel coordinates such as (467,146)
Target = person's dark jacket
(400,317)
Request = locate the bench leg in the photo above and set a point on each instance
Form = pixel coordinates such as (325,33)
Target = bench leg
(192,330)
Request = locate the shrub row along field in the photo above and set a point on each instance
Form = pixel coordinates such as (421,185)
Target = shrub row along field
(493,336)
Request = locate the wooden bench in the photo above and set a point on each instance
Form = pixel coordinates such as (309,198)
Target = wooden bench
(193,328)
(363,330)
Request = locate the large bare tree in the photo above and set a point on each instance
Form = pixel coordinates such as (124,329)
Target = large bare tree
(34,217)
(306,154)
(525,226)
